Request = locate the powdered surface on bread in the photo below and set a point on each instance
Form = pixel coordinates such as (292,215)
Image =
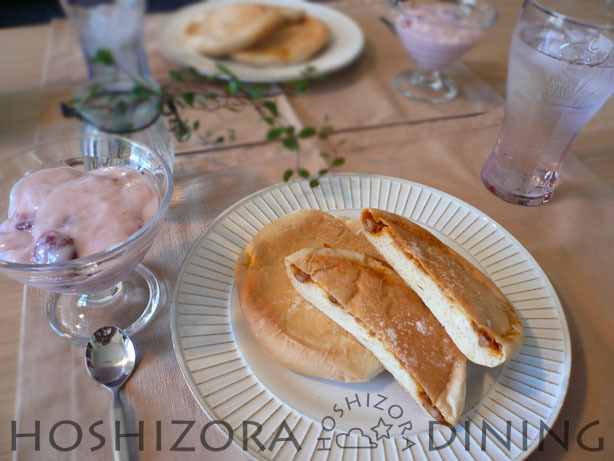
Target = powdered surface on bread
(393,314)
(290,329)
(449,284)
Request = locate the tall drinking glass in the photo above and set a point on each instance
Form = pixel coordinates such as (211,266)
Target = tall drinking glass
(114,25)
(561,71)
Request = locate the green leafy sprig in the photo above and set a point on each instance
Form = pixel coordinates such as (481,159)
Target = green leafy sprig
(187,89)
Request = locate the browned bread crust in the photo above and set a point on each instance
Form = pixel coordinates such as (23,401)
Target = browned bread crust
(476,314)
(372,302)
(290,329)
(290,43)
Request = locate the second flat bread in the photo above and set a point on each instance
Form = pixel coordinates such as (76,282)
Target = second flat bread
(234,27)
(291,43)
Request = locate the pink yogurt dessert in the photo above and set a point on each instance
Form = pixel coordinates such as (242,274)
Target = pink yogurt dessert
(59,214)
(437,34)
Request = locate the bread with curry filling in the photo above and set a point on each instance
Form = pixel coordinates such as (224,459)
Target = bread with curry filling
(369,300)
(475,313)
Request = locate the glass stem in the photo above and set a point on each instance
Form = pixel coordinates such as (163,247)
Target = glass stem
(430,78)
(103,297)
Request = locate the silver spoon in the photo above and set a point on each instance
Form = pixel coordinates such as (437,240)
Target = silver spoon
(110,359)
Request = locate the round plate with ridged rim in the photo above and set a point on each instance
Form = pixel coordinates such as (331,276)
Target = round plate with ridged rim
(234,380)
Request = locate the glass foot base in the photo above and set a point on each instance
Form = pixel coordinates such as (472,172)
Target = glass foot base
(426,86)
(516,199)
(129,305)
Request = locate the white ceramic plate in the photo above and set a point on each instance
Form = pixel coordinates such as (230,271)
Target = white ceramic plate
(234,380)
(347,41)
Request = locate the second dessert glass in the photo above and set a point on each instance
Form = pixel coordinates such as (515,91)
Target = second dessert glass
(436,34)
(109,287)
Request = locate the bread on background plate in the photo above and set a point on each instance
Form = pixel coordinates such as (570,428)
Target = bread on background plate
(288,328)
(475,313)
(233,27)
(369,300)
(291,43)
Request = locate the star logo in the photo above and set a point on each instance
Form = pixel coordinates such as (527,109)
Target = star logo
(382,429)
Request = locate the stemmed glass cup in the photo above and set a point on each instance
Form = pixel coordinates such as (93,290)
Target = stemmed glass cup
(436,34)
(110,287)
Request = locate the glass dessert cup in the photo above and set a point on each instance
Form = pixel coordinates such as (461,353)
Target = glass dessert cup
(109,287)
(436,34)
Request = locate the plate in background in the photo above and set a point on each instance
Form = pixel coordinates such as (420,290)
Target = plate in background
(346,44)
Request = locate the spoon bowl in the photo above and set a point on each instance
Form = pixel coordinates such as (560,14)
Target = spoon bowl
(110,357)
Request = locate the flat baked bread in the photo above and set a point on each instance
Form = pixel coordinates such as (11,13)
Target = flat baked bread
(234,27)
(475,313)
(288,328)
(369,300)
(291,43)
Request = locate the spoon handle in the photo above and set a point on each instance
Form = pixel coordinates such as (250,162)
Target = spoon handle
(118,422)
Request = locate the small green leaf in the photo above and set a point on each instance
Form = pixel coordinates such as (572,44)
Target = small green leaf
(338,161)
(233,86)
(94,89)
(269,121)
(193,72)
(314,183)
(325,131)
(183,131)
(302,172)
(325,155)
(219,140)
(307,132)
(290,130)
(301,87)
(274,133)
(176,75)
(224,70)
(140,92)
(103,56)
(188,98)
(196,125)
(308,71)
(288,174)
(290,144)
(272,107)
(323,171)
(121,107)
(254,94)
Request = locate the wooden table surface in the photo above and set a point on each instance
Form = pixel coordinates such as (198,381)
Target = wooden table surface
(22,60)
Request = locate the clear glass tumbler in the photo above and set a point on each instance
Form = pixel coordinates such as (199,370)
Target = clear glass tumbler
(114,25)
(560,72)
